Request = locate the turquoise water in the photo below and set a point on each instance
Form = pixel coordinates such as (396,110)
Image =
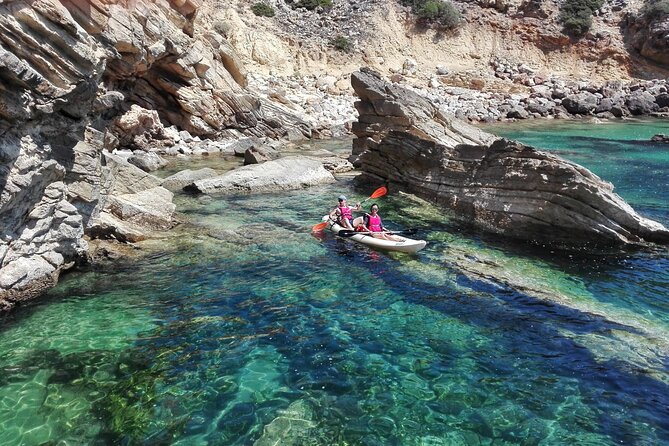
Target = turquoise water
(244,329)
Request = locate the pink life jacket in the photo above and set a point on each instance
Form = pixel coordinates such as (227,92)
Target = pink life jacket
(374,223)
(345,212)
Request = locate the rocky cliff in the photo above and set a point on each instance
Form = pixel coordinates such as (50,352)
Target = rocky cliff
(69,70)
(496,184)
(648,31)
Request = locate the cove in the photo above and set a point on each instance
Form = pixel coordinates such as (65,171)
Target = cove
(242,328)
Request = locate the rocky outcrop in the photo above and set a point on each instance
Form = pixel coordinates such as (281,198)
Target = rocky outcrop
(185,177)
(647,32)
(292,172)
(80,79)
(496,184)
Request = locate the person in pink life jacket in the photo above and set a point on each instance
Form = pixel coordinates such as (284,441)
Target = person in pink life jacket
(372,223)
(343,214)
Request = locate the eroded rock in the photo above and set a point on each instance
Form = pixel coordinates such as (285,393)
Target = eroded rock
(293,172)
(185,177)
(496,184)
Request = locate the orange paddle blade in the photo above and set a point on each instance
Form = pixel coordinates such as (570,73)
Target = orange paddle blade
(380,192)
(319,226)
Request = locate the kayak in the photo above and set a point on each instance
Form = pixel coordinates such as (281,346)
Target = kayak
(405,244)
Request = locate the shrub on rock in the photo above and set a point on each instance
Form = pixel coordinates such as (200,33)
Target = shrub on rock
(313,4)
(440,12)
(656,9)
(576,15)
(263,9)
(342,44)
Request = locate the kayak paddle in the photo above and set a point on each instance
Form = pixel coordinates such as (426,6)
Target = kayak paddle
(380,192)
(351,233)
(319,227)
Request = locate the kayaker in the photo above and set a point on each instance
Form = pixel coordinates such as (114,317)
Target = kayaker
(343,213)
(372,223)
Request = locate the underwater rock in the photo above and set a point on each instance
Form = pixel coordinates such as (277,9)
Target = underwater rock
(494,183)
(660,137)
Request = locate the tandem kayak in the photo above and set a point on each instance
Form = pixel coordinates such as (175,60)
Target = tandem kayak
(403,245)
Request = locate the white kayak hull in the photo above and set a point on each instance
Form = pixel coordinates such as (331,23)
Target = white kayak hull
(405,245)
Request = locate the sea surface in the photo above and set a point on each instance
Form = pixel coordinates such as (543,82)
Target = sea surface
(243,328)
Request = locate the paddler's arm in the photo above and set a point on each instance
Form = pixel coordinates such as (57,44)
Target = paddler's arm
(333,213)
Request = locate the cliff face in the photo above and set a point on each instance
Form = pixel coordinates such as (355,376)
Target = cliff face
(648,33)
(68,68)
(496,184)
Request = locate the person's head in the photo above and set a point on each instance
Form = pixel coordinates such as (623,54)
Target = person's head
(374,209)
(342,200)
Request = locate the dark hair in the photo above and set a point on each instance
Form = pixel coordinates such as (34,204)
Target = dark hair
(374,204)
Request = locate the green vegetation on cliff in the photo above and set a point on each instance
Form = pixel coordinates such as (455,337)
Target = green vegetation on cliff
(342,44)
(576,15)
(313,4)
(263,9)
(435,12)
(656,9)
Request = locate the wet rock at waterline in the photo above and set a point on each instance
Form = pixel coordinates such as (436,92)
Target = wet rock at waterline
(498,185)
(185,177)
(147,161)
(293,172)
(257,155)
(336,164)
(661,137)
(33,255)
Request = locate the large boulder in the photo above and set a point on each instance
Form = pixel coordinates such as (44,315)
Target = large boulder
(580,103)
(293,172)
(147,161)
(496,184)
(257,155)
(641,103)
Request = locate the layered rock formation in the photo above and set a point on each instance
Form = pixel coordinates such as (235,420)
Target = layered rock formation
(69,72)
(496,184)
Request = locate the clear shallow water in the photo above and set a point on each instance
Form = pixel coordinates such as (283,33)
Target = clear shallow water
(267,335)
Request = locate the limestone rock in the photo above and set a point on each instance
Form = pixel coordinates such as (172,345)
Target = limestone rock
(336,164)
(107,226)
(151,208)
(147,161)
(49,240)
(258,155)
(495,184)
(140,128)
(287,173)
(185,177)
